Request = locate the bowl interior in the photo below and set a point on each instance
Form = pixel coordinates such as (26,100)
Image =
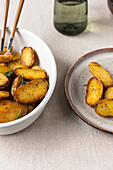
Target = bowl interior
(46,61)
(25,38)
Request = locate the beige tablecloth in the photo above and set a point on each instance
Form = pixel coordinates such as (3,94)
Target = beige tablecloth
(58,139)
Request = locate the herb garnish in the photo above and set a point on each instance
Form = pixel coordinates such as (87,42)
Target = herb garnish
(18,116)
(22,81)
(9,73)
(25,82)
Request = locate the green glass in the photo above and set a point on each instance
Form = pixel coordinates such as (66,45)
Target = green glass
(70,17)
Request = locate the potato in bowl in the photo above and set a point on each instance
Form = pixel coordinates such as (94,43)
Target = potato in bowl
(46,61)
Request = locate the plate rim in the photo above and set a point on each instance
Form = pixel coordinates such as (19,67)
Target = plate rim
(68,75)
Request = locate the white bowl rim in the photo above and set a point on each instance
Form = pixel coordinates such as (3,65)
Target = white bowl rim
(49,92)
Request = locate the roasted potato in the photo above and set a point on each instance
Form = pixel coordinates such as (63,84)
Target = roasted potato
(104,108)
(15,64)
(27,56)
(4,94)
(5,49)
(30,92)
(2,64)
(11,112)
(3,80)
(4,69)
(30,74)
(109,93)
(101,74)
(16,56)
(16,84)
(37,68)
(94,91)
(31,107)
(5,103)
(5,58)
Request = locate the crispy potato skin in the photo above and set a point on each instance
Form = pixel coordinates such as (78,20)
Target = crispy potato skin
(15,85)
(101,74)
(2,64)
(8,114)
(104,108)
(94,91)
(4,69)
(15,64)
(5,49)
(5,58)
(30,74)
(6,102)
(3,80)
(37,68)
(27,56)
(31,107)
(30,92)
(4,94)
(109,93)
(16,56)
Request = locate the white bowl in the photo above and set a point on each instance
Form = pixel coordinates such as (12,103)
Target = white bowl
(25,38)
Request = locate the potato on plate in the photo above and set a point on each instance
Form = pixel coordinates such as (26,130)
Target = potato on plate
(30,74)
(5,58)
(30,92)
(27,56)
(109,93)
(94,91)
(15,64)
(4,94)
(4,69)
(16,83)
(104,108)
(101,74)
(3,80)
(12,111)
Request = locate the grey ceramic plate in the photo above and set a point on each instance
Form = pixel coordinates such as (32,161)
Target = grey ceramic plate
(75,87)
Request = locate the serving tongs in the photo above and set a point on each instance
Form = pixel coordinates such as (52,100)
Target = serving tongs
(5,23)
(14,27)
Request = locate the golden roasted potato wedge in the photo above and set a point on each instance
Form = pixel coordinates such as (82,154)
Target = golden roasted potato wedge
(5,49)
(5,103)
(109,93)
(37,68)
(94,91)
(30,74)
(15,64)
(3,80)
(4,94)
(104,108)
(12,112)
(5,58)
(16,56)
(4,69)
(2,64)
(16,84)
(30,92)
(101,74)
(31,107)
(27,56)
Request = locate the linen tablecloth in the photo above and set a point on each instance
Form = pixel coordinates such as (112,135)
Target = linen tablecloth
(58,139)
